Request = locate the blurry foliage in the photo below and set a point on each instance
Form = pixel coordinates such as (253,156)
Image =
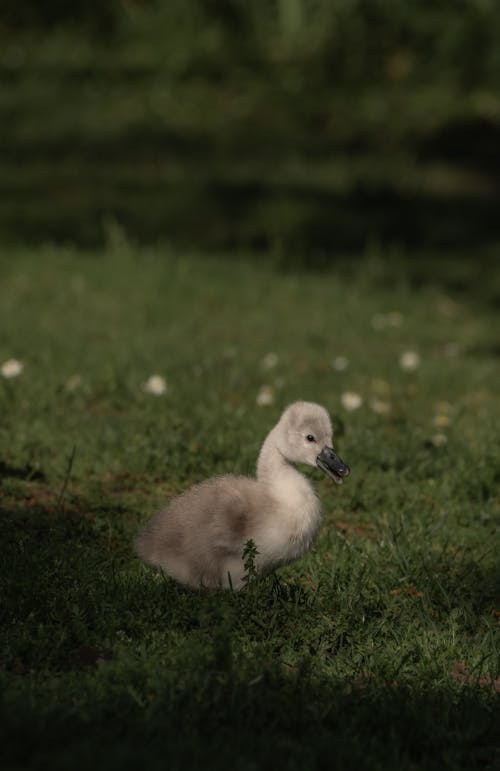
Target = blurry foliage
(18,14)
(359,39)
(300,124)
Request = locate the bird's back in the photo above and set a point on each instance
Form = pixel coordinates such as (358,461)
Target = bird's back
(203,528)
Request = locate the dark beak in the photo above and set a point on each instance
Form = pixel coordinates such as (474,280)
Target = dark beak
(329,462)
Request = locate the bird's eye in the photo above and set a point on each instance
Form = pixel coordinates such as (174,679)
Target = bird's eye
(310,438)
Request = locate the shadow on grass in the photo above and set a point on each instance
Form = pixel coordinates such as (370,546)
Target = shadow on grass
(194,679)
(214,718)
(7,471)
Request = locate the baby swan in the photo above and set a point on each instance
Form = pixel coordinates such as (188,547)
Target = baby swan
(199,538)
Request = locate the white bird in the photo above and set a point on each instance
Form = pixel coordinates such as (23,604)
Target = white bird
(199,538)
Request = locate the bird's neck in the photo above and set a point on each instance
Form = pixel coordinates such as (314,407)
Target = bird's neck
(294,494)
(273,467)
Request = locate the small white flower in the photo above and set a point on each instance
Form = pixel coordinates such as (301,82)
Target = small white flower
(340,363)
(265,397)
(409,361)
(439,439)
(441,421)
(379,321)
(351,401)
(11,368)
(452,349)
(380,406)
(73,382)
(156,385)
(269,361)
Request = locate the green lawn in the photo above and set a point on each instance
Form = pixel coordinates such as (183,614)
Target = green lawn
(378,650)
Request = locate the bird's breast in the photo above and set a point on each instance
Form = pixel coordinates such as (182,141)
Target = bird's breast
(293,523)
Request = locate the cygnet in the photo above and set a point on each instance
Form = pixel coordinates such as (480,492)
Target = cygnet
(200,537)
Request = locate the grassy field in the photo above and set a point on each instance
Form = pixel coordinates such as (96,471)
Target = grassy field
(379,649)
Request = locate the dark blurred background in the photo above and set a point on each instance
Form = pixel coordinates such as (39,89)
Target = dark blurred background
(306,127)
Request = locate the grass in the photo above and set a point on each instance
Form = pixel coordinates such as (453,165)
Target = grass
(379,649)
